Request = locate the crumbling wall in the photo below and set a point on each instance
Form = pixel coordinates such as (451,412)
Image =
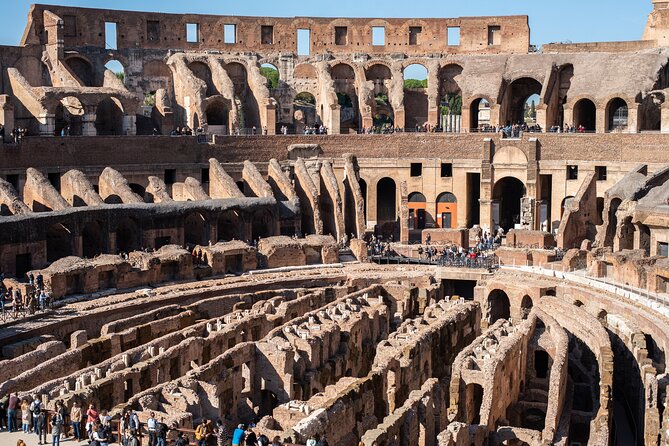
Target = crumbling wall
(10,202)
(221,185)
(256,182)
(190,190)
(40,195)
(114,188)
(77,189)
(156,191)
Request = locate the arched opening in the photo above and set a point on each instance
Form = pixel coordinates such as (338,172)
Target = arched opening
(263,224)
(92,239)
(58,242)
(138,189)
(585,115)
(450,98)
(82,69)
(202,71)
(565,200)
(304,111)
(517,105)
(499,306)
(109,117)
(416,104)
(117,68)
(128,236)
(616,115)
(479,115)
(343,76)
(447,210)
(626,238)
(195,230)
(526,305)
(230,227)
(383,113)
(417,211)
(650,113)
(217,118)
(248,112)
(350,220)
(613,221)
(386,206)
(541,361)
(271,73)
(507,194)
(69,117)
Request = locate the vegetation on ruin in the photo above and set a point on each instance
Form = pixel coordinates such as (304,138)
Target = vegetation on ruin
(272,76)
(344,100)
(304,99)
(451,105)
(414,83)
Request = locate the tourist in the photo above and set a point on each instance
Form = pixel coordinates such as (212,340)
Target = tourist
(39,422)
(222,434)
(91,418)
(75,416)
(151,425)
(102,434)
(26,417)
(12,407)
(124,427)
(56,428)
(203,432)
(238,435)
(134,441)
(3,412)
(134,422)
(251,438)
(161,433)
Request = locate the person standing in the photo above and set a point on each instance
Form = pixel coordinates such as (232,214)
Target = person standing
(56,428)
(75,416)
(91,418)
(12,407)
(39,421)
(222,434)
(26,416)
(238,435)
(151,425)
(161,433)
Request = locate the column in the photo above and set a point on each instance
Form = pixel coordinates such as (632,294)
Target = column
(88,121)
(129,125)
(6,115)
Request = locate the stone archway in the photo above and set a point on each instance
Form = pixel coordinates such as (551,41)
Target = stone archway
(507,194)
(499,306)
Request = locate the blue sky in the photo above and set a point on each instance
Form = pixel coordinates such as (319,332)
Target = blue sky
(567,20)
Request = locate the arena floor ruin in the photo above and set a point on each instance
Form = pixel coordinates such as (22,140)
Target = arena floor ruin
(272,267)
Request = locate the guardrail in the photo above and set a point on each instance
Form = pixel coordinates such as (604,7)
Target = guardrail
(657,302)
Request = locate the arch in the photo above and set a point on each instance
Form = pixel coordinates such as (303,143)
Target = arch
(517,97)
(479,115)
(117,68)
(196,231)
(613,221)
(217,114)
(585,115)
(138,189)
(271,73)
(386,200)
(499,306)
(473,403)
(109,117)
(417,210)
(565,200)
(58,242)
(249,112)
(510,155)
(383,114)
(82,69)
(128,235)
(363,191)
(230,227)
(263,224)
(202,71)
(447,210)
(305,115)
(416,104)
(450,96)
(508,192)
(526,305)
(69,117)
(343,76)
(92,239)
(617,119)
(650,112)
(305,71)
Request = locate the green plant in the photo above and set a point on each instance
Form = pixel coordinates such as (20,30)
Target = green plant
(381,99)
(451,105)
(305,98)
(150,99)
(414,83)
(272,76)
(344,100)
(120,76)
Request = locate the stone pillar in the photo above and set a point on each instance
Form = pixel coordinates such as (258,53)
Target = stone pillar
(404,213)
(494,114)
(47,124)
(433,94)
(78,246)
(633,118)
(542,116)
(88,121)
(270,110)
(6,115)
(664,117)
(335,125)
(601,120)
(568,116)
(129,125)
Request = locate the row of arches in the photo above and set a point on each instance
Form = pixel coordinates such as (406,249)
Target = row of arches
(70,113)
(129,234)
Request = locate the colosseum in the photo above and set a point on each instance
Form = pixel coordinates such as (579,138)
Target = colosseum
(270,222)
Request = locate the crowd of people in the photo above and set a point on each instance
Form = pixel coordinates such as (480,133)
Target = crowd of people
(36,296)
(16,135)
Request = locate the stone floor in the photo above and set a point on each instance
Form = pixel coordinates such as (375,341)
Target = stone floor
(7,439)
